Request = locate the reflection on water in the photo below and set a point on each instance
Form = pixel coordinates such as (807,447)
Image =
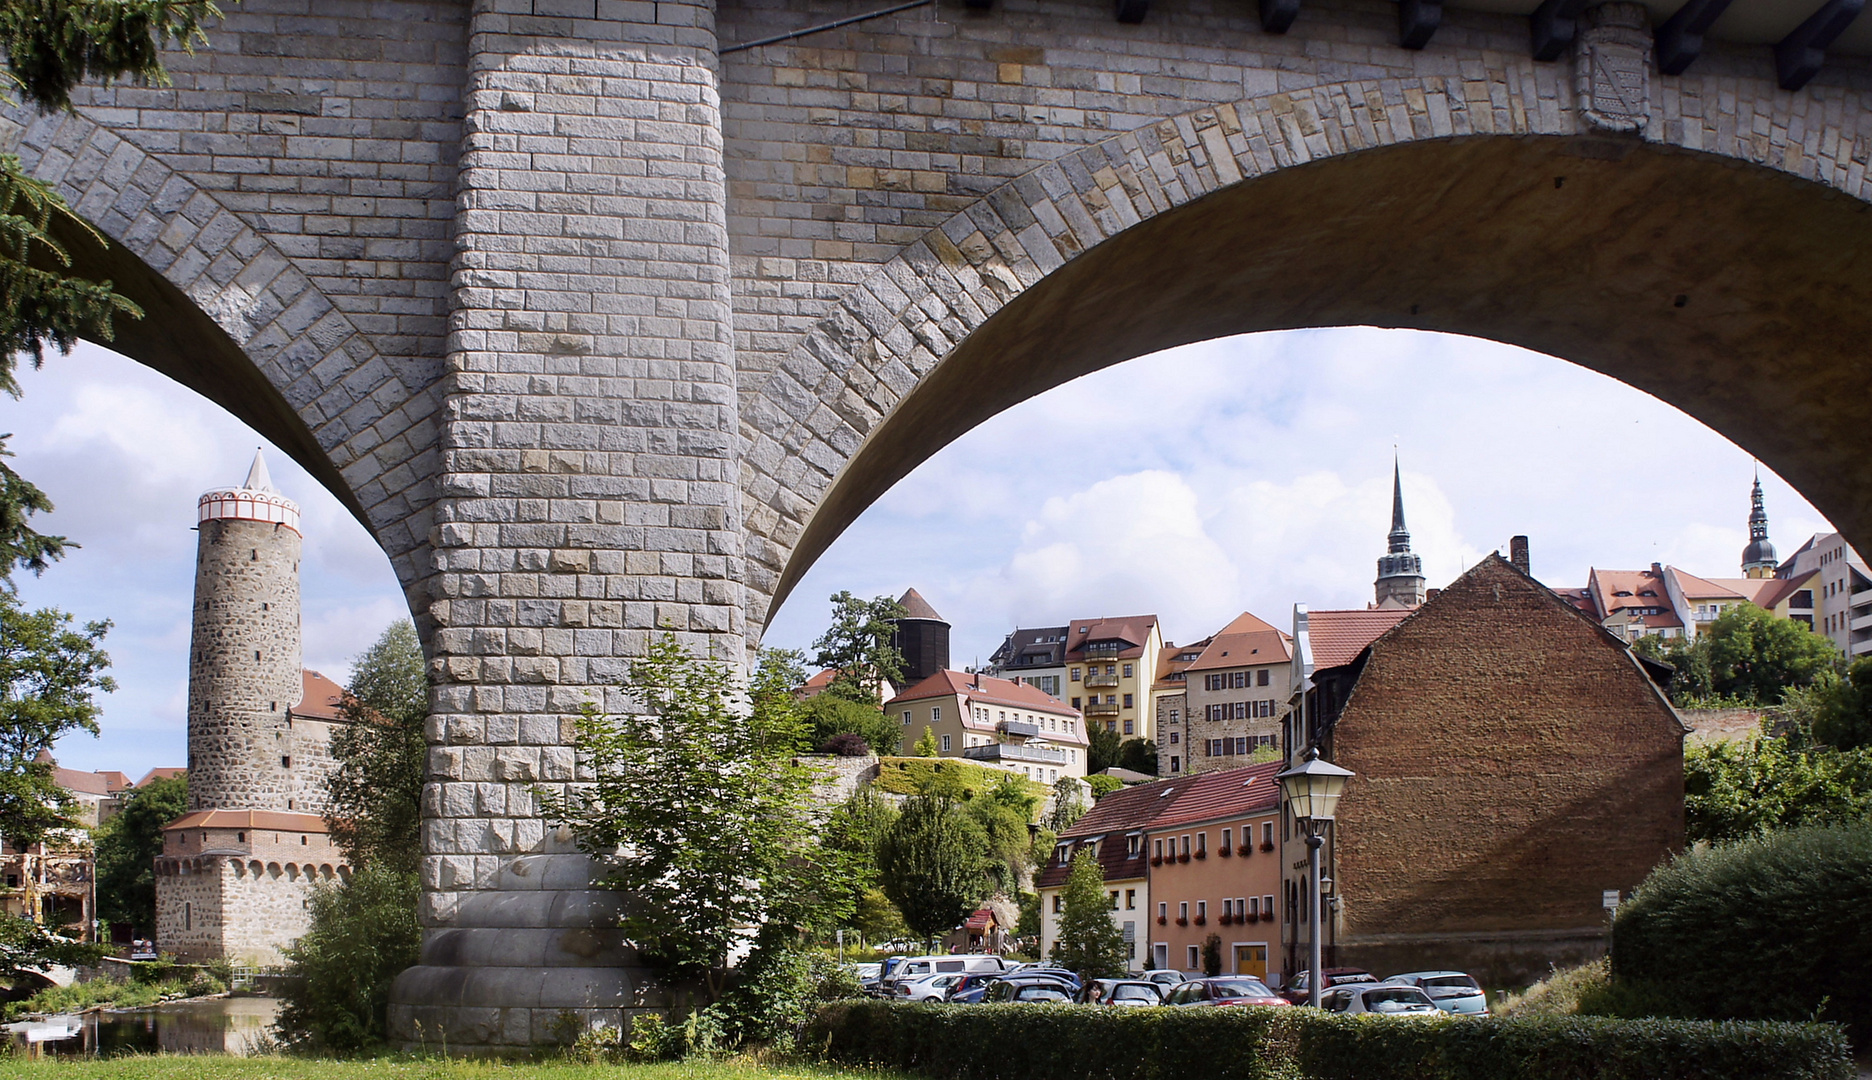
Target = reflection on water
(219,1026)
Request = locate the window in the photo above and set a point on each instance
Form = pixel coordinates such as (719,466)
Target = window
(1056,903)
(1075,703)
(1227,841)
(1262,678)
(1075,674)
(945,746)
(1267,833)
(935,714)
(1131,846)
(1127,701)
(1176,763)
(1127,671)
(1254,906)
(1163,910)
(1174,736)
(1127,723)
(906,718)
(1194,963)
(1183,911)
(285,763)
(1130,899)
(1157,849)
(1202,911)
(188,916)
(1202,844)
(1111,669)
(1228,909)
(1186,845)
(1175,715)
(1114,900)
(1267,904)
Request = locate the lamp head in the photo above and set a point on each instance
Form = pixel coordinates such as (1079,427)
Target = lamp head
(1313,787)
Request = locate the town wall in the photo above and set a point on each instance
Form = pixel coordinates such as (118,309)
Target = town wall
(1514,763)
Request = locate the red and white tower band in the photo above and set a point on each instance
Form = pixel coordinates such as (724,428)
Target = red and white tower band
(235,871)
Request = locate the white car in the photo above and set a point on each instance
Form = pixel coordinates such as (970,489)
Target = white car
(1385,999)
(928,987)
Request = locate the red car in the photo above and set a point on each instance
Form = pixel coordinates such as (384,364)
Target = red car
(1223,990)
(1296,991)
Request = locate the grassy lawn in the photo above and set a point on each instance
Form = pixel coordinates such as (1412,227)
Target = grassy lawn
(232,1068)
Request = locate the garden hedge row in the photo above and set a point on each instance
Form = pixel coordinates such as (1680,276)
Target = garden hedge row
(1051,1042)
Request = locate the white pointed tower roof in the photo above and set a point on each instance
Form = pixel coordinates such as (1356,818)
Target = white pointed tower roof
(254,500)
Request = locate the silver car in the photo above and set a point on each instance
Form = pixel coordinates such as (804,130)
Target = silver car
(1453,991)
(1379,999)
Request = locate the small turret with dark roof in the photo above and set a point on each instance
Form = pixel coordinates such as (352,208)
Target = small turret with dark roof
(1400,571)
(922,637)
(1758,559)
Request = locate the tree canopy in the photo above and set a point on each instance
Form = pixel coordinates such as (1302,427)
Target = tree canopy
(375,812)
(49,673)
(1746,656)
(1103,747)
(934,861)
(1842,715)
(858,647)
(1734,790)
(1088,942)
(127,845)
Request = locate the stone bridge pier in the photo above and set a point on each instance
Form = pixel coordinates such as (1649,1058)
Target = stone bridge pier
(607,316)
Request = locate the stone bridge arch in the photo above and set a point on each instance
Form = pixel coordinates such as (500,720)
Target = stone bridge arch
(1718,260)
(230,316)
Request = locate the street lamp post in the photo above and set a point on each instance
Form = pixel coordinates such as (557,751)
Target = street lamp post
(1312,791)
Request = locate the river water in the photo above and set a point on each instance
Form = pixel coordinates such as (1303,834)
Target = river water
(236,1025)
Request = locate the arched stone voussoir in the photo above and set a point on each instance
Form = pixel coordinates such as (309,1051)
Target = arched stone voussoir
(821,410)
(229,315)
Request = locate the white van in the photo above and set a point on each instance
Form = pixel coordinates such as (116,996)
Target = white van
(918,966)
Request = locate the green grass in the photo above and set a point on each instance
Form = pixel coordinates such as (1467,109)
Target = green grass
(193,1067)
(118,993)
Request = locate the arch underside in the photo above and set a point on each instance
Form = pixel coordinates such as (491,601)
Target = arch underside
(1738,290)
(229,316)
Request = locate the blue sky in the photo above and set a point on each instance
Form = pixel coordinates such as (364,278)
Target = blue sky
(1241,474)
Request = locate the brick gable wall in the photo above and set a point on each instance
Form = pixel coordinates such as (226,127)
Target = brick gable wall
(1512,763)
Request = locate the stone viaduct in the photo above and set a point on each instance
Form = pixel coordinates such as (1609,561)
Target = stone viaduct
(603,321)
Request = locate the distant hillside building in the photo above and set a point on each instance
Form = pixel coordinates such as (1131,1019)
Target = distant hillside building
(921,637)
(1516,765)
(236,870)
(1235,693)
(1035,656)
(993,720)
(1111,666)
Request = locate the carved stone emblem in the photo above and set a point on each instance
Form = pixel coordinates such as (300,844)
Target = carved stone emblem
(1612,67)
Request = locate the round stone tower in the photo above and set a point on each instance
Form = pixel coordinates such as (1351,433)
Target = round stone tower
(244,672)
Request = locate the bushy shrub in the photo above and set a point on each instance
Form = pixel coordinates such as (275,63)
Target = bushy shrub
(846,744)
(1039,1042)
(1771,928)
(336,992)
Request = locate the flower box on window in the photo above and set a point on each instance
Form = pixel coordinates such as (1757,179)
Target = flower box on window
(1181,921)
(1156,860)
(1225,919)
(1202,920)
(1267,916)
(1225,851)
(1204,854)
(1162,919)
(1183,857)
(1267,845)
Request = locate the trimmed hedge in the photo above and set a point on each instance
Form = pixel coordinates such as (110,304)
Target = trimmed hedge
(1046,1042)
(1772,928)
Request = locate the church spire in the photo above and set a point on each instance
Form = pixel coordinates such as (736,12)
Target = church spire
(1400,571)
(1400,536)
(1758,559)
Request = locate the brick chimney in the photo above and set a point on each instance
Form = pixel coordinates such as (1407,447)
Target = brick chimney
(1517,553)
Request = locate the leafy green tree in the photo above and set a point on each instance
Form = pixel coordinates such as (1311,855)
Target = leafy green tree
(925,746)
(1755,656)
(858,646)
(1138,755)
(1734,790)
(49,673)
(21,546)
(336,993)
(127,846)
(375,811)
(856,827)
(829,716)
(1843,711)
(1103,785)
(1089,943)
(1103,748)
(1004,813)
(935,864)
(699,811)
(1068,805)
(1212,955)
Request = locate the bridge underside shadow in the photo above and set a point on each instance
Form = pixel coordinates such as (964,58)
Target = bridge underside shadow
(1740,294)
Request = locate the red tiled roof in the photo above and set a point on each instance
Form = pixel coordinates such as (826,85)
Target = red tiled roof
(1170,666)
(1779,589)
(1245,642)
(1338,637)
(1697,588)
(162,772)
(88,783)
(282,820)
(981,920)
(1224,793)
(985,689)
(1605,585)
(319,697)
(1135,629)
(915,607)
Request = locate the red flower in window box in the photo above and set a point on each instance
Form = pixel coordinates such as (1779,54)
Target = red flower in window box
(1184,857)
(1267,845)
(1202,853)
(1225,918)
(1244,850)
(1162,919)
(1202,920)
(1267,916)
(1225,851)
(1181,921)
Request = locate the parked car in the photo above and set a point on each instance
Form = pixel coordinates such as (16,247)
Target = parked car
(928,987)
(1131,992)
(1029,989)
(1453,991)
(1224,990)
(1296,991)
(1385,999)
(867,975)
(1168,979)
(960,963)
(973,985)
